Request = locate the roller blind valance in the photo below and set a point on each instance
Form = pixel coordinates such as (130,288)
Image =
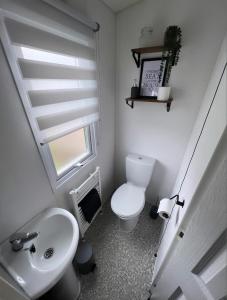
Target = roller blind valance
(56,74)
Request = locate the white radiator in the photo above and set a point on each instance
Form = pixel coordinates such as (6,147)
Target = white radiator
(77,194)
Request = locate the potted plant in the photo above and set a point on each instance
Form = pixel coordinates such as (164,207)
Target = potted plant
(171,50)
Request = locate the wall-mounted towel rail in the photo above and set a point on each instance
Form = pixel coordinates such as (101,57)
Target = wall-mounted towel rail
(78,194)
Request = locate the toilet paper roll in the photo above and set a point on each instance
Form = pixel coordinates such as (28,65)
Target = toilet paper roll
(165,208)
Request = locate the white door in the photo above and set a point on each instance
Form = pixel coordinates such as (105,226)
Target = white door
(209,127)
(197,269)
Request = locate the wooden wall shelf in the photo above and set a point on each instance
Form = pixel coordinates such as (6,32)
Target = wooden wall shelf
(130,101)
(136,53)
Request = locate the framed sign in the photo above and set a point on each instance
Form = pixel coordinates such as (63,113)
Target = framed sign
(150,76)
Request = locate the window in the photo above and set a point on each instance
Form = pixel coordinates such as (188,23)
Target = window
(55,72)
(71,150)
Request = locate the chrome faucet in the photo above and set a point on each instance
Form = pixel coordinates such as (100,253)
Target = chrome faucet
(17,240)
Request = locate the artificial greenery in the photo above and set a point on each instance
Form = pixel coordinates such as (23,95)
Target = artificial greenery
(171,51)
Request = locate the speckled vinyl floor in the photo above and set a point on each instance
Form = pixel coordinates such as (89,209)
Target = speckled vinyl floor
(124,260)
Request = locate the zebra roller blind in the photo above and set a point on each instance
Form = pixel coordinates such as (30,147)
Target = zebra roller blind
(55,74)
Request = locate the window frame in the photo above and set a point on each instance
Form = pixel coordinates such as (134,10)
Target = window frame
(58,180)
(45,154)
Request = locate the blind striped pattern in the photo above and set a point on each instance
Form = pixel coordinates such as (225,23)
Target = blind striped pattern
(59,76)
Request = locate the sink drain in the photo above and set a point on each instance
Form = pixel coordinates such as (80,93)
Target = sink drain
(49,253)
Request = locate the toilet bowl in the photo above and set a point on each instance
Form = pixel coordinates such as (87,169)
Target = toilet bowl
(127,203)
(128,200)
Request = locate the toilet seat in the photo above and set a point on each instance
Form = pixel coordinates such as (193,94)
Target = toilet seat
(128,201)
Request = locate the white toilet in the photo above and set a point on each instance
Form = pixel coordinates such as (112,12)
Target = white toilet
(129,199)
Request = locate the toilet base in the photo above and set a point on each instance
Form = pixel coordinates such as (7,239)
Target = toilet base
(128,225)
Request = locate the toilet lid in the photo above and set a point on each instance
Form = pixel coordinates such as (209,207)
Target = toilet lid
(128,200)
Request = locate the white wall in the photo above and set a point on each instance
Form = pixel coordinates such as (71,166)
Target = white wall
(148,129)
(24,186)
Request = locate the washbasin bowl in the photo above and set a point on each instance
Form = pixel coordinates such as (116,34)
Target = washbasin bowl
(37,271)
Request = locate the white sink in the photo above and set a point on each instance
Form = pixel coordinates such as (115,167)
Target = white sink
(58,231)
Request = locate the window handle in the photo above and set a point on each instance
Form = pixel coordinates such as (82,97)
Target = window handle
(79,165)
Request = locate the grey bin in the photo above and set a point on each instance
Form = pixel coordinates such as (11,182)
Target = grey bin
(84,258)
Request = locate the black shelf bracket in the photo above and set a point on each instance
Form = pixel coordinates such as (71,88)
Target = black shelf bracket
(168,105)
(130,103)
(136,58)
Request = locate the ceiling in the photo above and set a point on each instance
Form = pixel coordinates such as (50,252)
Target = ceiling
(117,5)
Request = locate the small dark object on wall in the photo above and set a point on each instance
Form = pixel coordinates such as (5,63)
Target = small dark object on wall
(154,212)
(134,91)
(181,234)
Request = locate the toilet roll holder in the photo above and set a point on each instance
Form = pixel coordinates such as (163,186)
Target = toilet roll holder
(178,202)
